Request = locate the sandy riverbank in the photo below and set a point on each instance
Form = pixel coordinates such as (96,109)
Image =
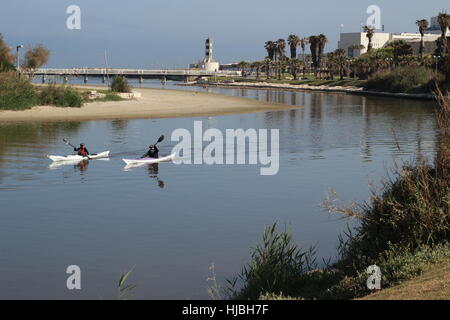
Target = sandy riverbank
(155,103)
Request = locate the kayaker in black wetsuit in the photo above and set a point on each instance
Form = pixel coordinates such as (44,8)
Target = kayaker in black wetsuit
(82,151)
(152,152)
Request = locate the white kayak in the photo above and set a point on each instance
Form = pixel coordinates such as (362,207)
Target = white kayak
(149,160)
(79,158)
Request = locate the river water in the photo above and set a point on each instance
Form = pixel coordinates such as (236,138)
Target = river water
(170,223)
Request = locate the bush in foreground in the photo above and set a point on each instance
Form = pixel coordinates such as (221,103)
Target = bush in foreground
(403,230)
(404,80)
(120,84)
(60,96)
(16,93)
(276,266)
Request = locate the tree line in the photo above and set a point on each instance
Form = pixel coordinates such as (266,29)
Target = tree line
(325,66)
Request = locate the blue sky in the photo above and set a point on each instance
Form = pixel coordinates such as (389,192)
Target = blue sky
(171,33)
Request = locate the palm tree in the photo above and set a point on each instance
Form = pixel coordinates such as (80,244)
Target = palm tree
(423,26)
(340,61)
(322,42)
(293,42)
(267,66)
(281,46)
(281,66)
(444,22)
(370,31)
(295,66)
(257,65)
(270,47)
(242,65)
(314,47)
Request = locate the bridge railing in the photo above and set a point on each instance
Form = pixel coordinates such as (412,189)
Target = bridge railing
(132,72)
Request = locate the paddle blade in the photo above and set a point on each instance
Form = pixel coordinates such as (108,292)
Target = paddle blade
(160,139)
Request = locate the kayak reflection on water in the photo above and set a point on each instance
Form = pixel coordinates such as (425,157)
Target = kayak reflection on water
(82,165)
(153,170)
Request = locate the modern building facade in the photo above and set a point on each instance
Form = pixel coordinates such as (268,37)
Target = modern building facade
(356,43)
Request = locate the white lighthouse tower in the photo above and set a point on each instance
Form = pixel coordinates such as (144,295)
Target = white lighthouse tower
(208,62)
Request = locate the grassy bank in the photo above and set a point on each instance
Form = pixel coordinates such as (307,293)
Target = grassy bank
(404,80)
(18,93)
(404,230)
(433,284)
(397,80)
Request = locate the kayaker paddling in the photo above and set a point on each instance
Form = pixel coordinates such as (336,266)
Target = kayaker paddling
(153,152)
(82,150)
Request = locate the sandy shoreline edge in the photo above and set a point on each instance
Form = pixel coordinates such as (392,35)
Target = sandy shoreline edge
(155,103)
(326,89)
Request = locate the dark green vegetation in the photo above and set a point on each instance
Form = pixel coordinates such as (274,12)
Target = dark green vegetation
(403,229)
(6,58)
(61,96)
(120,84)
(404,79)
(385,68)
(16,93)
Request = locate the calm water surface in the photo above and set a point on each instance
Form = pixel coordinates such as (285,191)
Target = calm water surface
(171,222)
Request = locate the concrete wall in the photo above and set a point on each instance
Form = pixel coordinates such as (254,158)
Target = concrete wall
(347,40)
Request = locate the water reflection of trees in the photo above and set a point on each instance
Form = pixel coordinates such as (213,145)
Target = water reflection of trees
(338,121)
(26,137)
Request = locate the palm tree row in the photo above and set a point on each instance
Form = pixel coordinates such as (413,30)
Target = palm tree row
(395,54)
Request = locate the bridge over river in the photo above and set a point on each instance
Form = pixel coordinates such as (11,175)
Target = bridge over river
(141,74)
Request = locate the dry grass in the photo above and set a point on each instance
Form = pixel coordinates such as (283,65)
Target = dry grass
(434,284)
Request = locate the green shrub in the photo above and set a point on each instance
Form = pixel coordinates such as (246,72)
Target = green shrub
(60,96)
(413,210)
(275,267)
(120,84)
(404,79)
(16,93)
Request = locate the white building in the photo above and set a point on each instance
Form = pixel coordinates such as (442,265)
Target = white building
(208,63)
(348,41)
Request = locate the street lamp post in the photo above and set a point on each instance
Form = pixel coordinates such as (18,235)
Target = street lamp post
(17,56)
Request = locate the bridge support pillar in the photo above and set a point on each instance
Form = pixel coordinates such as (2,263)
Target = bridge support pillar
(43,79)
(86,79)
(103,79)
(141,79)
(65,79)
